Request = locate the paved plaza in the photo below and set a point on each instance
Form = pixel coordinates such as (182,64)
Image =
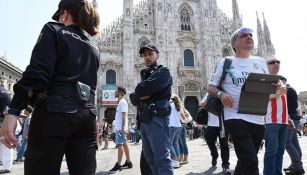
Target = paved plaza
(199,160)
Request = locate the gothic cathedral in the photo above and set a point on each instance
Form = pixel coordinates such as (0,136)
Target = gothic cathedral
(192,36)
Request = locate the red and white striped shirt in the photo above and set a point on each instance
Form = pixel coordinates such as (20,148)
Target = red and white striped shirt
(277,111)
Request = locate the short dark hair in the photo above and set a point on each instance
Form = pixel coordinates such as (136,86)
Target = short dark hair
(283,78)
(121,89)
(29,109)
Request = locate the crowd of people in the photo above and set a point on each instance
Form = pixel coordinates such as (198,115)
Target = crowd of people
(62,91)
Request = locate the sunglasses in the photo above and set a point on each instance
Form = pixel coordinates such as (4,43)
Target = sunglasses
(246,30)
(274,62)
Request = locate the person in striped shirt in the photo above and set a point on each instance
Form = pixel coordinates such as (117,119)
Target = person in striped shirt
(276,126)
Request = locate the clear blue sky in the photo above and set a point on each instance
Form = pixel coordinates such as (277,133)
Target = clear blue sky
(21,22)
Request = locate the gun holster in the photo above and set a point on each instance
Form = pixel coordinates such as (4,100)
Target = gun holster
(83,91)
(146,115)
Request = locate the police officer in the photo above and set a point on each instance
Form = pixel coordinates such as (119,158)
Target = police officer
(61,79)
(152,96)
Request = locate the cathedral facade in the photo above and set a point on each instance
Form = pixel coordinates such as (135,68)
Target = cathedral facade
(192,36)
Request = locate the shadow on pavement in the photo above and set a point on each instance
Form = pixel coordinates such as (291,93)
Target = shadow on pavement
(98,173)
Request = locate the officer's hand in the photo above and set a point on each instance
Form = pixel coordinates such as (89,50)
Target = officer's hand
(8,130)
(227,100)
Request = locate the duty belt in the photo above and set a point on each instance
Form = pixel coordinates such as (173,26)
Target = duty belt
(69,92)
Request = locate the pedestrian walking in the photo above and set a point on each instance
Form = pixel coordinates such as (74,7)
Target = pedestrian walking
(121,131)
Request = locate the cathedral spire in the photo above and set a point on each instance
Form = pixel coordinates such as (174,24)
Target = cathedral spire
(261,49)
(95,3)
(237,22)
(267,38)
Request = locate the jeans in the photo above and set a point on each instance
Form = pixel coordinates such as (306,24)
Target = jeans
(22,148)
(183,147)
(293,148)
(119,138)
(275,144)
(174,139)
(211,136)
(156,145)
(247,138)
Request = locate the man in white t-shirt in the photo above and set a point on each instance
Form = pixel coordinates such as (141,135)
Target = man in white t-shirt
(121,130)
(246,130)
(212,133)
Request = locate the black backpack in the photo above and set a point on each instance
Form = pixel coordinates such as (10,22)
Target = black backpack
(202,116)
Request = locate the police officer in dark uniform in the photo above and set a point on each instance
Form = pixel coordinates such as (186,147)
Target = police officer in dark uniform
(60,81)
(152,96)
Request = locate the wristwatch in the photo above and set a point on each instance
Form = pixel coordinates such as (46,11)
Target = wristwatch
(219,94)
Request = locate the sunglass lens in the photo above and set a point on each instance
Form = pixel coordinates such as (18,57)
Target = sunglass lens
(274,62)
(246,30)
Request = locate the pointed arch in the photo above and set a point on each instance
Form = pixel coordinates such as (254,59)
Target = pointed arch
(186,14)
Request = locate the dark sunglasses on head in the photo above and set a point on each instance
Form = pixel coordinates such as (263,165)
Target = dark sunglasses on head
(274,62)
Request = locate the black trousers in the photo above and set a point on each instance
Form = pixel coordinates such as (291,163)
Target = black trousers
(247,138)
(55,134)
(211,135)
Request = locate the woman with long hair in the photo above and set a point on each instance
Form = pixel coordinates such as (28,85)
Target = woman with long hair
(175,128)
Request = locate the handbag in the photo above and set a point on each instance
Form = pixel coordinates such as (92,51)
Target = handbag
(214,104)
(202,116)
(188,117)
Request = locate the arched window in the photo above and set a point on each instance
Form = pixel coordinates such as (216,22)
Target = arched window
(185,19)
(188,58)
(110,77)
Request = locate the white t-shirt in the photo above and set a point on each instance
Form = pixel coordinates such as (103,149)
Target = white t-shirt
(113,127)
(238,73)
(121,107)
(305,117)
(213,120)
(174,118)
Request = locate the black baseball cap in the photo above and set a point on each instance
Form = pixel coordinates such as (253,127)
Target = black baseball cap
(66,4)
(150,46)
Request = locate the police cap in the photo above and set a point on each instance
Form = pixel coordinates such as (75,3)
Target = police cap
(150,46)
(66,4)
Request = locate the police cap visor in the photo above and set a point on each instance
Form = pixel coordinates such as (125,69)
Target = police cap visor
(64,5)
(150,46)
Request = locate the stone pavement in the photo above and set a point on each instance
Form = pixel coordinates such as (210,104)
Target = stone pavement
(199,160)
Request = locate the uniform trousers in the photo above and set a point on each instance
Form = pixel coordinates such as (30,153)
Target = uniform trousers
(54,134)
(156,145)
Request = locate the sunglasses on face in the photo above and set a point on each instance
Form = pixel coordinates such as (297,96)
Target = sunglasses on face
(274,62)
